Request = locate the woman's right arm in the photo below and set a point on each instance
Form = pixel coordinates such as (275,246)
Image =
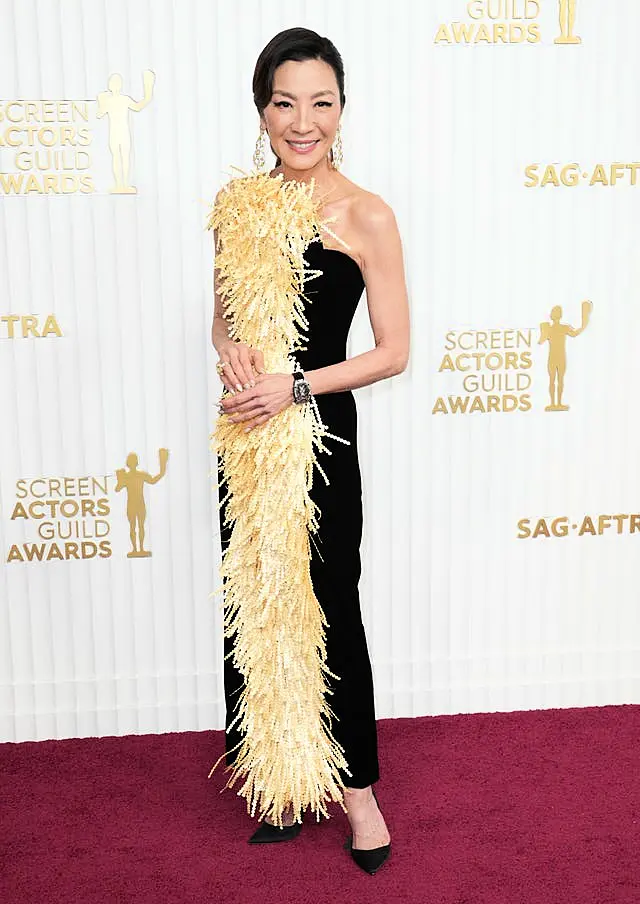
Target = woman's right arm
(243,361)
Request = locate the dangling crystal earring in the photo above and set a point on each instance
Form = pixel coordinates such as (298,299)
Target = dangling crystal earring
(336,150)
(259,160)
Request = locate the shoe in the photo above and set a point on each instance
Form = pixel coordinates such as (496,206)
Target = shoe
(267,833)
(370,861)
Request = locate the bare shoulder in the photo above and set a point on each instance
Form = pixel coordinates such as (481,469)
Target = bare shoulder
(375,230)
(372,215)
(374,224)
(370,211)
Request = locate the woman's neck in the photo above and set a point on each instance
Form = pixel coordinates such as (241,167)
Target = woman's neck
(323,174)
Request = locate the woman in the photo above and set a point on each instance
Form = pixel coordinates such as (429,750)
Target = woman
(298,90)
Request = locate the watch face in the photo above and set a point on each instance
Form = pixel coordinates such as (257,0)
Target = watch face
(301,391)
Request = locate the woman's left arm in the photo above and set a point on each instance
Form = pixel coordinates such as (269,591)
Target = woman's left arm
(381,260)
(383,270)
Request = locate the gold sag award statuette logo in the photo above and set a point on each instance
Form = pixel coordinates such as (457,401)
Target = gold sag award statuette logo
(116,105)
(567,23)
(507,22)
(133,481)
(49,142)
(555,333)
(498,364)
(72,515)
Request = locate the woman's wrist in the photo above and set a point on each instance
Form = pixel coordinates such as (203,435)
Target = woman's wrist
(220,334)
(314,379)
(224,343)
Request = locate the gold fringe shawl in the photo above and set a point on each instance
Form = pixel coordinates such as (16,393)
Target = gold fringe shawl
(288,754)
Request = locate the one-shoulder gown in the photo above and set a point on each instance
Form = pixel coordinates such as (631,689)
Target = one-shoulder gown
(335,559)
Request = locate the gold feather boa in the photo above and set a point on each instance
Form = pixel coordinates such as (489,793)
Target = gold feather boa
(288,754)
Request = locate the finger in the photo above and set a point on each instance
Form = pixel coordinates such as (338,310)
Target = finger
(241,400)
(230,380)
(228,376)
(237,355)
(240,405)
(257,422)
(247,413)
(226,402)
(244,368)
(258,361)
(232,376)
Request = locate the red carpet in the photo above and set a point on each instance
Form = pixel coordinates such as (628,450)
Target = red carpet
(502,808)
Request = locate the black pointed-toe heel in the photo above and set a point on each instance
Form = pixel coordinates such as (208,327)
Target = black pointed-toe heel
(267,833)
(370,861)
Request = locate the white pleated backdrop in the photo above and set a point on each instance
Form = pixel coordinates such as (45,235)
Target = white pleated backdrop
(462,613)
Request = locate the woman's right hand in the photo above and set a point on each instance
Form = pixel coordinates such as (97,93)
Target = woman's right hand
(243,364)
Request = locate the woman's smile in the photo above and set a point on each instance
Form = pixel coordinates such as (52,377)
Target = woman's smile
(302,147)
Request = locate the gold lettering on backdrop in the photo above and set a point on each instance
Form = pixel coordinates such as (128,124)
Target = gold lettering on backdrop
(555,333)
(133,481)
(50,142)
(47,138)
(69,515)
(28,326)
(508,22)
(571,174)
(567,16)
(116,105)
(586,525)
(495,364)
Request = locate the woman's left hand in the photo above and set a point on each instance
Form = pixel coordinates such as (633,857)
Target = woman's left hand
(271,394)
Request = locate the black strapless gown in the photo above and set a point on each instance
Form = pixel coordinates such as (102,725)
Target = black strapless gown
(333,298)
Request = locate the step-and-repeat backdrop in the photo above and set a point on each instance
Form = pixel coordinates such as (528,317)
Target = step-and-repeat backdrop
(501,489)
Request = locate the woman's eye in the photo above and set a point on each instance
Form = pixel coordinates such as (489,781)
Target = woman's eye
(285,103)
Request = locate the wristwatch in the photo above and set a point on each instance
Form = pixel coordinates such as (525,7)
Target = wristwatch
(301,389)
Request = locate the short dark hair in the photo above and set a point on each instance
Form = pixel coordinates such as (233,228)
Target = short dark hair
(296,44)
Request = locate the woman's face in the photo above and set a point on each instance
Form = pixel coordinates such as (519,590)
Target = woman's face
(303,114)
